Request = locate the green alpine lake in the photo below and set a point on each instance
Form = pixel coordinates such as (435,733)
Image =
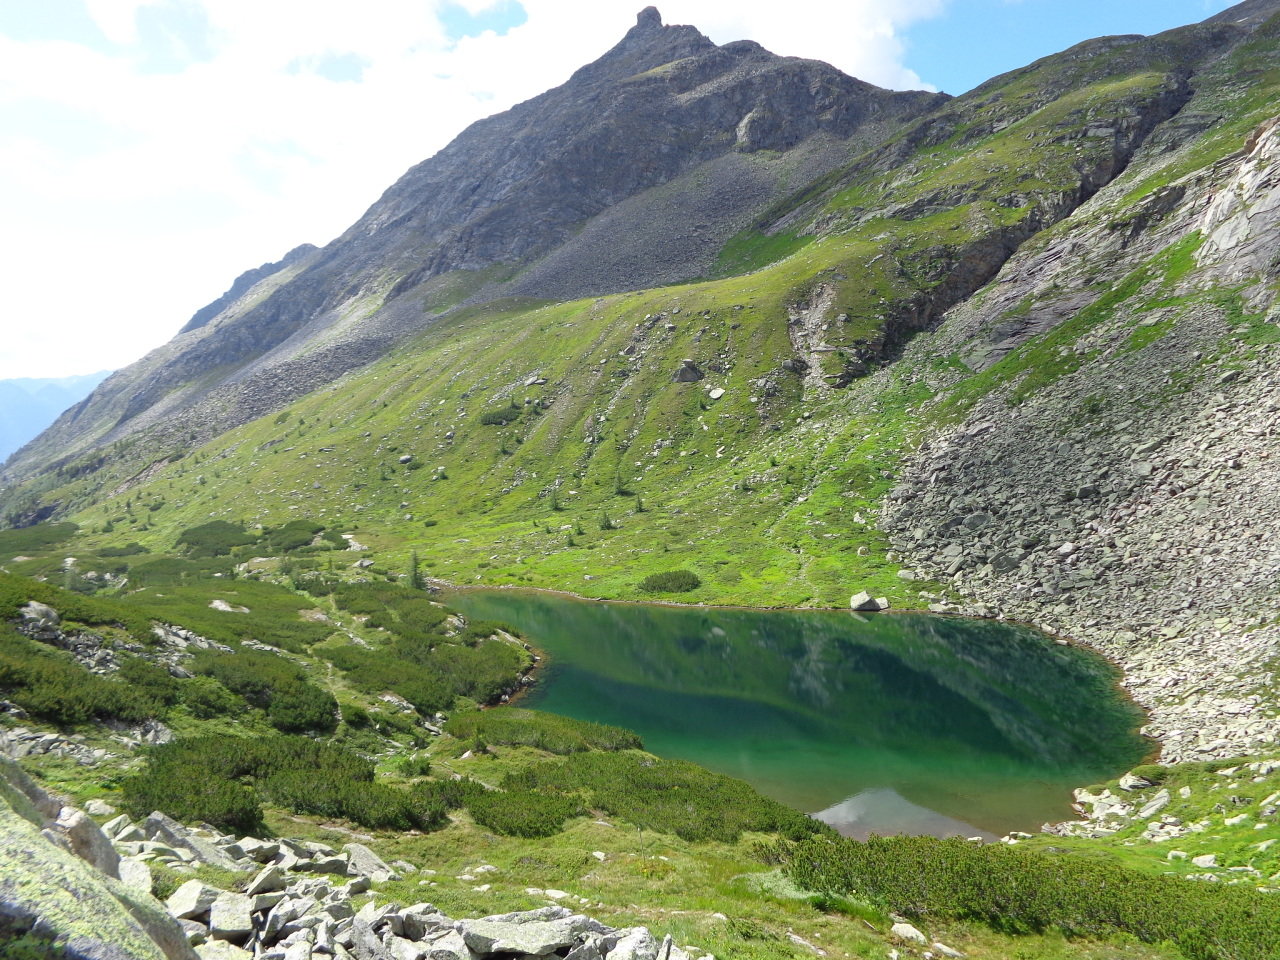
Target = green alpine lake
(900,723)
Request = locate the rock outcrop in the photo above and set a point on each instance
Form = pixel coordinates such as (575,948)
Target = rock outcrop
(59,883)
(87,890)
(1130,502)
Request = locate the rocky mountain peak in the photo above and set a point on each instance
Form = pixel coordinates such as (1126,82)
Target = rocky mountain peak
(646,46)
(648,19)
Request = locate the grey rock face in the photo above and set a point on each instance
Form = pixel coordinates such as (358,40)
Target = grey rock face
(192,899)
(365,863)
(169,831)
(688,373)
(535,938)
(41,620)
(231,918)
(863,602)
(87,841)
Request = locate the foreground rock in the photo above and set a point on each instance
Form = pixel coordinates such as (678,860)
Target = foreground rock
(49,890)
(314,918)
(301,903)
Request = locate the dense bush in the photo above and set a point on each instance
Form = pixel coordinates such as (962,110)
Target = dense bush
(388,606)
(372,805)
(429,671)
(301,706)
(223,781)
(189,794)
(501,416)
(449,794)
(1020,891)
(672,796)
(147,678)
(273,684)
(292,536)
(16,591)
(128,550)
(164,571)
(215,539)
(477,630)
(206,698)
(51,686)
(672,581)
(34,539)
(545,731)
(374,672)
(274,619)
(522,813)
(415,766)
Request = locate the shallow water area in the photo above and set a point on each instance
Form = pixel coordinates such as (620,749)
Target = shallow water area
(899,723)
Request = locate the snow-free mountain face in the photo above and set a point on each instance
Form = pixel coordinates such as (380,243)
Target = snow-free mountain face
(633,173)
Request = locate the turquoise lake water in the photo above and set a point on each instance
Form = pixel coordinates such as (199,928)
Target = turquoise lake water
(889,724)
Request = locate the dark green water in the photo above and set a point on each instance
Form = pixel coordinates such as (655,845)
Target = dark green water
(903,723)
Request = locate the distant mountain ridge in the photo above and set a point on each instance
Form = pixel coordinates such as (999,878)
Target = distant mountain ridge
(29,405)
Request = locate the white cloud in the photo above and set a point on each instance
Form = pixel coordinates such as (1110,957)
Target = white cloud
(181,177)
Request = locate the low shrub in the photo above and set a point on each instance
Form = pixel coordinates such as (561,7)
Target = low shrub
(188,794)
(150,680)
(273,684)
(16,591)
(522,813)
(292,536)
(452,794)
(164,571)
(501,416)
(206,698)
(477,630)
(128,550)
(671,796)
(34,539)
(432,676)
(300,706)
(51,686)
(673,581)
(545,731)
(418,765)
(214,539)
(1020,891)
(224,780)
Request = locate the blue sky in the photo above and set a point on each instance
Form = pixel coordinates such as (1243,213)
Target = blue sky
(975,40)
(151,150)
